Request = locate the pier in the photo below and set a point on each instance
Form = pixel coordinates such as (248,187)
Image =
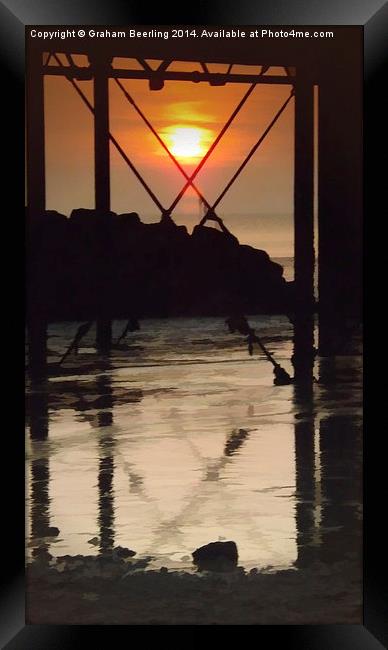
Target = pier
(305,66)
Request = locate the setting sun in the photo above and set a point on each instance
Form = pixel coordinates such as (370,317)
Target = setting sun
(186,142)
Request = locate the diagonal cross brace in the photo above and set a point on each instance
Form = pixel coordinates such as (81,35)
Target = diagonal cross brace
(211,149)
(132,166)
(249,155)
(161,142)
(211,208)
(116,144)
(190,179)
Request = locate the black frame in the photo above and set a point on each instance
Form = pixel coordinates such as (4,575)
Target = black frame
(374,17)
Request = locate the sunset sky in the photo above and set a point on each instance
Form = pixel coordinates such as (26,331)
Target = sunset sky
(259,205)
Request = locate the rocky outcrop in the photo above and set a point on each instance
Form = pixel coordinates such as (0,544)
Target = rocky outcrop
(76,264)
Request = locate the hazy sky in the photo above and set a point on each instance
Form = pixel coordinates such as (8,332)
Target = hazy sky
(259,205)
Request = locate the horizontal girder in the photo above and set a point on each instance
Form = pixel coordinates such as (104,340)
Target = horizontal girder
(213,78)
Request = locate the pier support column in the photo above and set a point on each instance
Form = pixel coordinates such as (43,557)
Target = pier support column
(35,137)
(101,66)
(304,229)
(340,205)
(36,204)
(37,344)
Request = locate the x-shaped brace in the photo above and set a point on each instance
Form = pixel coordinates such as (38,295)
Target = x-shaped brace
(166,213)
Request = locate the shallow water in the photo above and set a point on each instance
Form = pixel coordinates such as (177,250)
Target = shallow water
(179,438)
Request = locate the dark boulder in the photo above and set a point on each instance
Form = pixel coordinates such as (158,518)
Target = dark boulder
(123,553)
(207,237)
(216,556)
(85,215)
(129,218)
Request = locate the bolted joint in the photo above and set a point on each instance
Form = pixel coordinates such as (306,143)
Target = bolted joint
(217,79)
(156,83)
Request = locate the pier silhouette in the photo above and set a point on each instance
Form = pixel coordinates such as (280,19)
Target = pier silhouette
(338,155)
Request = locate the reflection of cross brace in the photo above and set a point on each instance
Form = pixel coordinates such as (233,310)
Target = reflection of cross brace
(211,470)
(166,213)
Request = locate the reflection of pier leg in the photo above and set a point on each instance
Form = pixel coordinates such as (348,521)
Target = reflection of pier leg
(38,414)
(305,490)
(308,472)
(341,486)
(40,474)
(102,188)
(304,229)
(40,516)
(105,503)
(106,468)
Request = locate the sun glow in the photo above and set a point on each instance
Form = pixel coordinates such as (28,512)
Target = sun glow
(186,142)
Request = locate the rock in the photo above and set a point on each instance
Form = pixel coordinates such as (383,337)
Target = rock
(46,219)
(210,237)
(216,556)
(52,216)
(129,218)
(123,553)
(85,216)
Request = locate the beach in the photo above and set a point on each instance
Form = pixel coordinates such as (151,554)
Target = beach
(177,439)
